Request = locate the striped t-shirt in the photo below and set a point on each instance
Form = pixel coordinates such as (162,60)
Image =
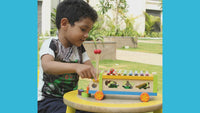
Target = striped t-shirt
(56,86)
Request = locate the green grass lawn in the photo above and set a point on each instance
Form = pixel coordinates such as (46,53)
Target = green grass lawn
(126,65)
(146,47)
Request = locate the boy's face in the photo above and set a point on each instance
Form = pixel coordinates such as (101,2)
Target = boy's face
(77,34)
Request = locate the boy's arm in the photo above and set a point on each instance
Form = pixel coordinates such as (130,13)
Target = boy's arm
(88,62)
(56,68)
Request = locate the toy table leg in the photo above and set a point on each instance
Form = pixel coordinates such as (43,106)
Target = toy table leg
(70,110)
(158,111)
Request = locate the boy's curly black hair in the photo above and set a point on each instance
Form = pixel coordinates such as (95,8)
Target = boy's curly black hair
(74,10)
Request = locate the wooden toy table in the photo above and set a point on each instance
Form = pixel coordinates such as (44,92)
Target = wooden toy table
(111,105)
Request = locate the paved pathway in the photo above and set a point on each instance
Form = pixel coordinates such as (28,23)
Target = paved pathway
(140,57)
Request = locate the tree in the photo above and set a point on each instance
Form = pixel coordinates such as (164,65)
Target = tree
(120,11)
(119,7)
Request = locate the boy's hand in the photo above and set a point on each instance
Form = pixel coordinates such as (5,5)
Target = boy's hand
(86,71)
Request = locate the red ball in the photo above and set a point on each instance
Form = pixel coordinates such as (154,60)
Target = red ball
(97,51)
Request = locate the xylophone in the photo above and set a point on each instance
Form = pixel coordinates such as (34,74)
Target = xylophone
(122,82)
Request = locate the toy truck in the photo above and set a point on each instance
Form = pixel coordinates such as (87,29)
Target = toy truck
(143,86)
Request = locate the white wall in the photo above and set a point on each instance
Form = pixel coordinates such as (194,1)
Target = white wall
(54,3)
(94,3)
(137,9)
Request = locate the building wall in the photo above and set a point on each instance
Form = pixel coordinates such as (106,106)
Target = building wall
(154,5)
(54,3)
(154,8)
(108,50)
(137,9)
(122,41)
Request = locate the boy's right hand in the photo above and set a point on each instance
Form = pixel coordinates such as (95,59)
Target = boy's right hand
(86,71)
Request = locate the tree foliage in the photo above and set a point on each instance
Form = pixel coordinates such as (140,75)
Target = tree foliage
(150,21)
(119,7)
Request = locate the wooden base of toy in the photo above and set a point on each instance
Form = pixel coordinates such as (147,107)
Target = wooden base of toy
(111,105)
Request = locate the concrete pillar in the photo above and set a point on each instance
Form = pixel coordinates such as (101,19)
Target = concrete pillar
(46,17)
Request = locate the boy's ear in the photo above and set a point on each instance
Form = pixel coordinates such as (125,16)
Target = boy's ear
(64,23)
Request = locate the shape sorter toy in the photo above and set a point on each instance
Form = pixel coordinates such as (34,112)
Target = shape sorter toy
(144,86)
(122,83)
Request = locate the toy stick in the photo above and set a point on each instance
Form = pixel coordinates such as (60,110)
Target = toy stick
(97,64)
(97,52)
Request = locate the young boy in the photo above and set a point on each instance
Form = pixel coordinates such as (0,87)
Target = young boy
(64,59)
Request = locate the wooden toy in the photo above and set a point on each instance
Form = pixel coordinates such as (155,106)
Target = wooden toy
(80,91)
(84,94)
(143,86)
(114,72)
(136,73)
(97,52)
(119,73)
(112,83)
(147,73)
(130,73)
(125,72)
(141,73)
(108,73)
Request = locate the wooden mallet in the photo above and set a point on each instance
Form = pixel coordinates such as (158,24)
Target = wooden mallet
(97,52)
